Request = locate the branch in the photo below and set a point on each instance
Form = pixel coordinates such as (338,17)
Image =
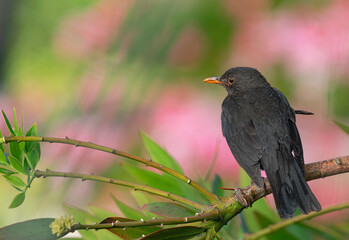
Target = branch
(245,197)
(212,215)
(210,196)
(300,218)
(313,171)
(139,187)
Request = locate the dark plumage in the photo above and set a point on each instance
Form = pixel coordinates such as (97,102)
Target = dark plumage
(260,128)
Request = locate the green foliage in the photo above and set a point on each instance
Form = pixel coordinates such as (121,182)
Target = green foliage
(18,200)
(24,156)
(338,98)
(344,127)
(37,229)
(20,163)
(168,209)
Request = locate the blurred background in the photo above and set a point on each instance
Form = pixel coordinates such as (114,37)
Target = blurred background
(103,70)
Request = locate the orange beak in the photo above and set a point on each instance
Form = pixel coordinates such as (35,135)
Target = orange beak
(215,80)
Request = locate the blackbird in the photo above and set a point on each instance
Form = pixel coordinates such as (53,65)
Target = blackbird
(260,128)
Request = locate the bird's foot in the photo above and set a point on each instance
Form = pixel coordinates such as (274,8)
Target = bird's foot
(243,199)
(240,196)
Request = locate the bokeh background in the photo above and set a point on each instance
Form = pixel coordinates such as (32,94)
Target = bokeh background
(104,70)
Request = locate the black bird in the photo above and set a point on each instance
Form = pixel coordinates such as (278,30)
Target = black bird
(260,128)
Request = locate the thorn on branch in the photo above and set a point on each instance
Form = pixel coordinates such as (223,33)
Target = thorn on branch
(338,161)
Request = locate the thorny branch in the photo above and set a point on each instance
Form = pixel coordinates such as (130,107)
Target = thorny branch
(313,171)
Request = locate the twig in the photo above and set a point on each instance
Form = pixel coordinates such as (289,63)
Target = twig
(210,196)
(288,222)
(139,187)
(313,171)
(245,197)
(212,215)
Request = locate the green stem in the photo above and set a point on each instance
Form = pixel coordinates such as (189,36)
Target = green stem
(209,234)
(301,218)
(139,187)
(210,196)
(212,215)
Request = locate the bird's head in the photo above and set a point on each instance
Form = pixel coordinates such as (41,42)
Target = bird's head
(239,79)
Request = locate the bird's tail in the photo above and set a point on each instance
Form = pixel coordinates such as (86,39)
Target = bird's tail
(291,191)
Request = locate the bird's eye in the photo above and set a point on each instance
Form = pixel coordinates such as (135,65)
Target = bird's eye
(231,80)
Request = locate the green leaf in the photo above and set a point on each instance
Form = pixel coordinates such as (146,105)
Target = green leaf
(130,233)
(15,181)
(159,155)
(3,160)
(36,229)
(217,182)
(15,124)
(128,211)
(1,144)
(32,145)
(162,182)
(15,150)
(7,170)
(175,233)
(18,200)
(8,124)
(345,128)
(168,209)
(32,158)
(16,164)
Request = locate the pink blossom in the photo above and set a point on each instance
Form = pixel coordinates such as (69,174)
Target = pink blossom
(188,126)
(91,31)
(308,42)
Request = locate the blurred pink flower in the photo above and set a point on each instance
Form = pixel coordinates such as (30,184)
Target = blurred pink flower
(91,31)
(309,42)
(83,160)
(188,126)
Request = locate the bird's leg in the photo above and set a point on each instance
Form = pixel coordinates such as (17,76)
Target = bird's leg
(240,196)
(243,199)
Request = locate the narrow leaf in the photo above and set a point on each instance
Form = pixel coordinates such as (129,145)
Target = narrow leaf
(18,200)
(159,155)
(1,144)
(7,170)
(32,145)
(130,233)
(37,229)
(162,182)
(3,160)
(15,124)
(168,209)
(127,210)
(16,164)
(32,158)
(344,127)
(175,233)
(8,124)
(15,181)
(15,150)
(217,182)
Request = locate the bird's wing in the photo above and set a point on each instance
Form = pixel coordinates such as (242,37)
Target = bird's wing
(290,118)
(242,138)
